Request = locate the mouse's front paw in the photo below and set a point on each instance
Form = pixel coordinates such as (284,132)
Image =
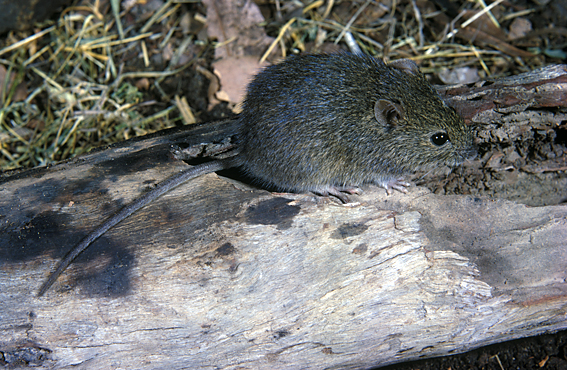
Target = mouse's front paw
(398,184)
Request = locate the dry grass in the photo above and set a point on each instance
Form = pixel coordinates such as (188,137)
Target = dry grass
(76,95)
(88,100)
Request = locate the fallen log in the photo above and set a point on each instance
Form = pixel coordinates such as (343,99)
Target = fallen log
(220,274)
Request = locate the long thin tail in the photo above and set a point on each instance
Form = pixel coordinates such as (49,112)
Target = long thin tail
(142,201)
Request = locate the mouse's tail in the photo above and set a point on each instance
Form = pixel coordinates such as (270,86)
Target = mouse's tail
(142,201)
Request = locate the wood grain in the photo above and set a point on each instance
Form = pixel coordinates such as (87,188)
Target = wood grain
(218,274)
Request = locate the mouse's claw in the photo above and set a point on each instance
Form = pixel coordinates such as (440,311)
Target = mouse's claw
(398,184)
(338,192)
(352,190)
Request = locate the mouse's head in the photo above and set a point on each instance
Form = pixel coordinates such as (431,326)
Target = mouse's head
(416,119)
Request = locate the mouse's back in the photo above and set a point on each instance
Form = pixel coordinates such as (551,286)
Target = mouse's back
(340,120)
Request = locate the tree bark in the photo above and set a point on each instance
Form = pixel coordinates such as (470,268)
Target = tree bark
(218,274)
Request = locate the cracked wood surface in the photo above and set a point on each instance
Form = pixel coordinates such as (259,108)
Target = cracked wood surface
(219,274)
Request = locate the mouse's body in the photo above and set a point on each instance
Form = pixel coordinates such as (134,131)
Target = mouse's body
(328,124)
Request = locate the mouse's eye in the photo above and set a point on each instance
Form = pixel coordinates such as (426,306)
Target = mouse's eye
(439,138)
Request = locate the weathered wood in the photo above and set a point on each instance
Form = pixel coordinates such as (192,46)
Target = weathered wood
(520,124)
(218,274)
(490,100)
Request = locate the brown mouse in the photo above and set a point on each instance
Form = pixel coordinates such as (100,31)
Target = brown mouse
(327,124)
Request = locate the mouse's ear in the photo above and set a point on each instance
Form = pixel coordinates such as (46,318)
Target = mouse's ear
(388,112)
(405,65)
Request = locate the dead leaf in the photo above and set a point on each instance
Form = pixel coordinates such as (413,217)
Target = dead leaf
(520,27)
(479,37)
(235,73)
(463,75)
(21,92)
(236,25)
(484,24)
(345,10)
(484,32)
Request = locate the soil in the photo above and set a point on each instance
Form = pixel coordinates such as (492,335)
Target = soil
(544,352)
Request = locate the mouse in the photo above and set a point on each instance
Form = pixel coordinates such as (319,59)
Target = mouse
(327,124)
